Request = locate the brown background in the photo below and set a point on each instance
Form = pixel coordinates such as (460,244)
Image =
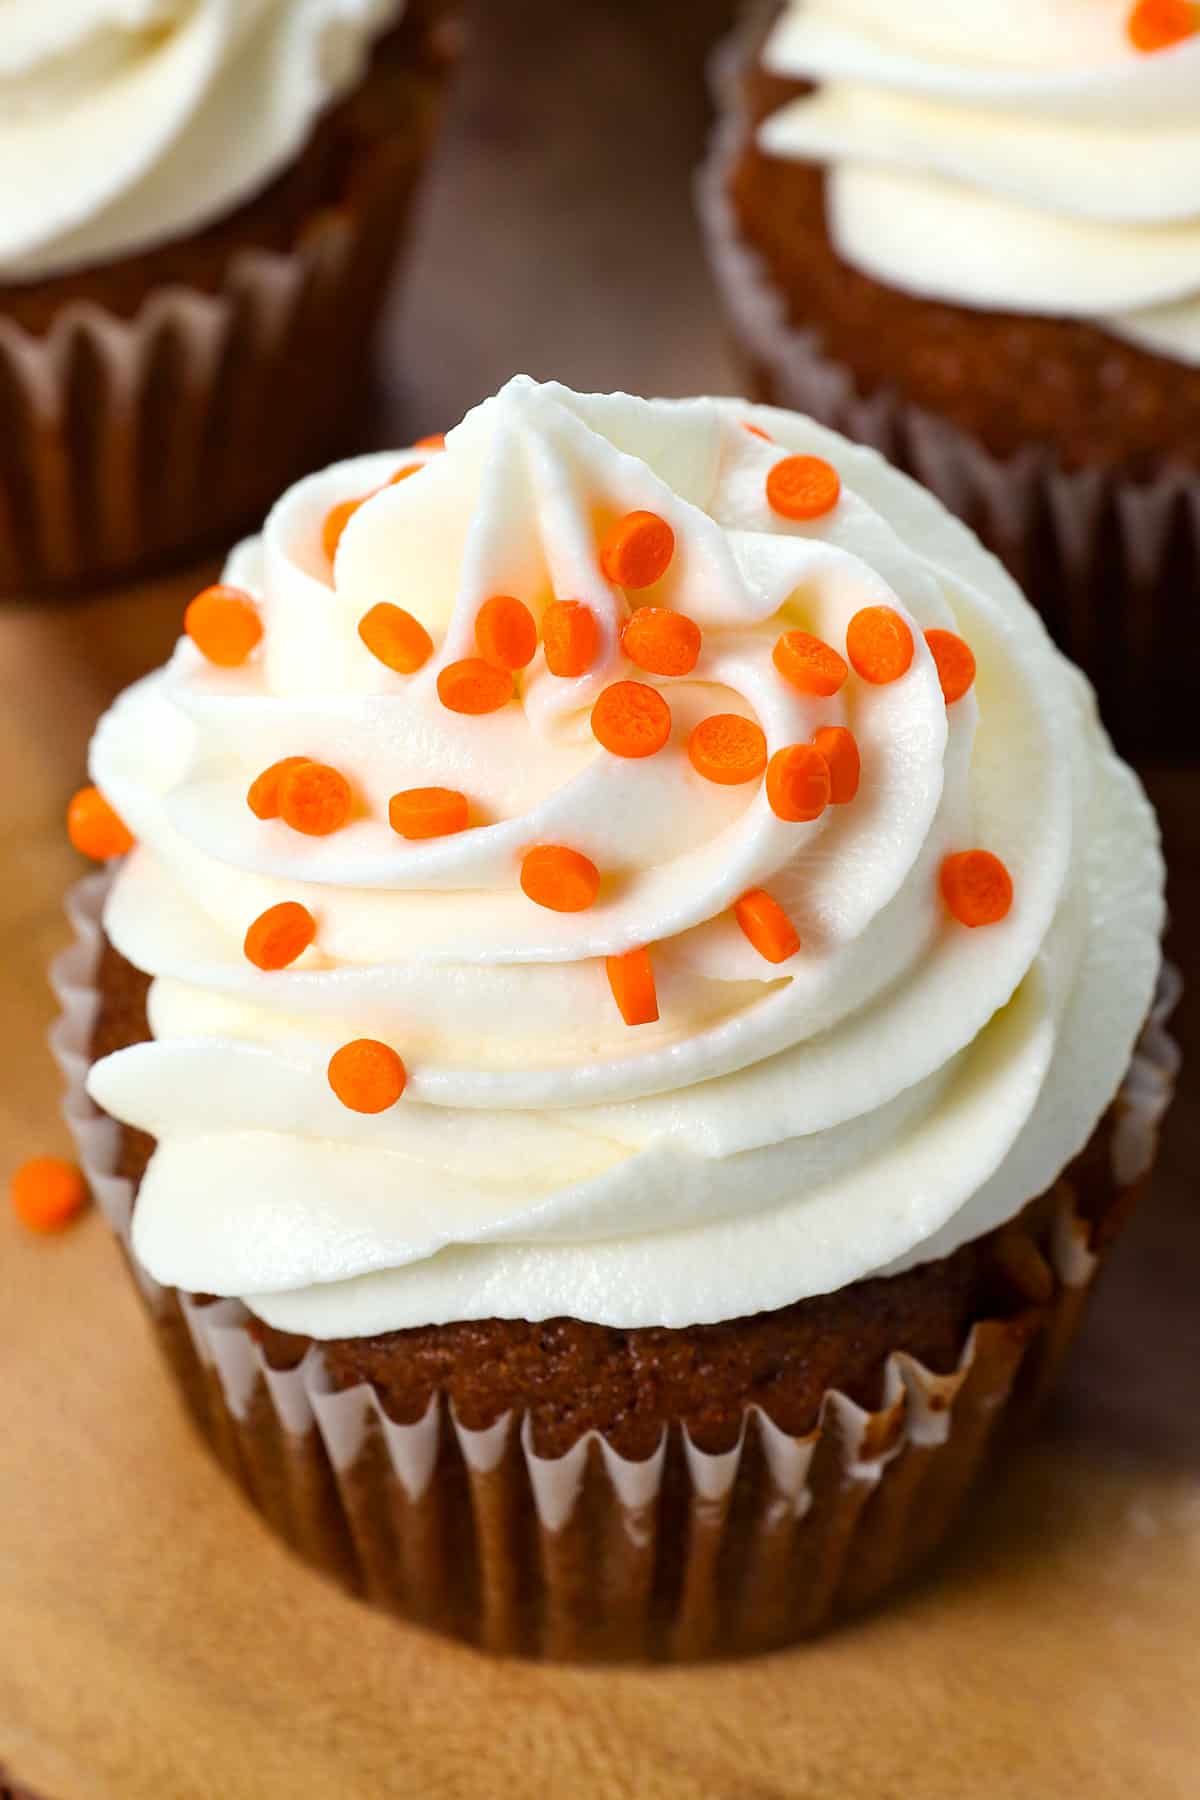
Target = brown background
(154,1641)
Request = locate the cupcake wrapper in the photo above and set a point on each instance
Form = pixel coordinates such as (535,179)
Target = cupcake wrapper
(590,1556)
(1113,565)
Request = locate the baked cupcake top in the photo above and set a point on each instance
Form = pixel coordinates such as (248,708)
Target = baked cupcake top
(1015,157)
(124,123)
(703,883)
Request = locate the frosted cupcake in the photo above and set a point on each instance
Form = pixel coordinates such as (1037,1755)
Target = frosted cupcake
(971,237)
(199,204)
(627,991)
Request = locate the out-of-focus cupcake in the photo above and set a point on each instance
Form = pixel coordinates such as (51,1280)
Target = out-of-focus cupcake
(200,202)
(970,236)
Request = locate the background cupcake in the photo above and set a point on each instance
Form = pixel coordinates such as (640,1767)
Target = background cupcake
(972,238)
(199,206)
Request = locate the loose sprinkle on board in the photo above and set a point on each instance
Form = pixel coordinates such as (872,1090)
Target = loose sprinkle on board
(631,978)
(810,664)
(279,935)
(47,1193)
(94,828)
(955,663)
(661,641)
(728,749)
(474,687)
(799,783)
(976,887)
(631,719)
(803,488)
(879,645)
(505,632)
(367,1076)
(560,879)
(224,624)
(766,926)
(314,799)
(840,749)
(431,812)
(570,637)
(395,638)
(637,551)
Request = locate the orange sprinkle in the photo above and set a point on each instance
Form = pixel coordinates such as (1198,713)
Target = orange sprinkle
(661,641)
(976,887)
(809,663)
(570,637)
(879,645)
(799,784)
(474,686)
(631,719)
(757,431)
(224,625)
(279,935)
(398,640)
(47,1193)
(314,799)
(435,441)
(336,521)
(367,1076)
(637,551)
(403,474)
(505,632)
(803,487)
(262,797)
(767,926)
(840,750)
(94,828)
(631,978)
(955,663)
(728,749)
(563,880)
(430,812)
(1158,24)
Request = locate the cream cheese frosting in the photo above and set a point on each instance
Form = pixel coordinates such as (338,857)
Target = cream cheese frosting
(124,123)
(901,1084)
(1015,157)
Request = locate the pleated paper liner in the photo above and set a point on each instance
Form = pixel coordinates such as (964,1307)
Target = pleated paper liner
(1113,565)
(590,1556)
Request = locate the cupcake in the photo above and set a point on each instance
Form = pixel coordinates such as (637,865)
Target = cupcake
(971,238)
(199,205)
(623,1024)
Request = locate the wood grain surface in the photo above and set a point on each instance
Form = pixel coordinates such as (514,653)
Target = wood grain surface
(155,1642)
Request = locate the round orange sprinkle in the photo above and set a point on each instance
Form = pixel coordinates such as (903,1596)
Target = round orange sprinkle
(757,431)
(879,645)
(799,784)
(279,935)
(840,750)
(631,719)
(435,441)
(955,663)
(728,749)
(403,474)
(1158,24)
(767,926)
(803,487)
(336,521)
(262,796)
(505,632)
(976,887)
(637,551)
(661,641)
(810,664)
(94,828)
(398,640)
(367,1076)
(474,686)
(314,799)
(570,637)
(224,625)
(431,812)
(47,1193)
(631,978)
(563,880)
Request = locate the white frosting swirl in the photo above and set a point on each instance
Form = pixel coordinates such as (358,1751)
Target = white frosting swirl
(1021,158)
(124,123)
(898,1086)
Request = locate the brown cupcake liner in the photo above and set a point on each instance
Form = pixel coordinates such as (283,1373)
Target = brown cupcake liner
(1111,563)
(590,1556)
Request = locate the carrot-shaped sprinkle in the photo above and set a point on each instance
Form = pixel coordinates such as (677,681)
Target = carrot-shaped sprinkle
(757,431)
(224,624)
(47,1193)
(474,686)
(976,887)
(314,799)
(661,641)
(560,879)
(840,750)
(728,749)
(809,663)
(430,812)
(435,441)
(395,638)
(570,637)
(505,632)
(767,926)
(955,663)
(94,828)
(1160,24)
(367,1076)
(336,521)
(402,474)
(799,784)
(803,487)
(262,796)
(279,935)
(879,645)
(631,978)
(631,719)
(636,552)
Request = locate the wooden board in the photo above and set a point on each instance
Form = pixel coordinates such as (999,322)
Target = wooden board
(154,1640)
